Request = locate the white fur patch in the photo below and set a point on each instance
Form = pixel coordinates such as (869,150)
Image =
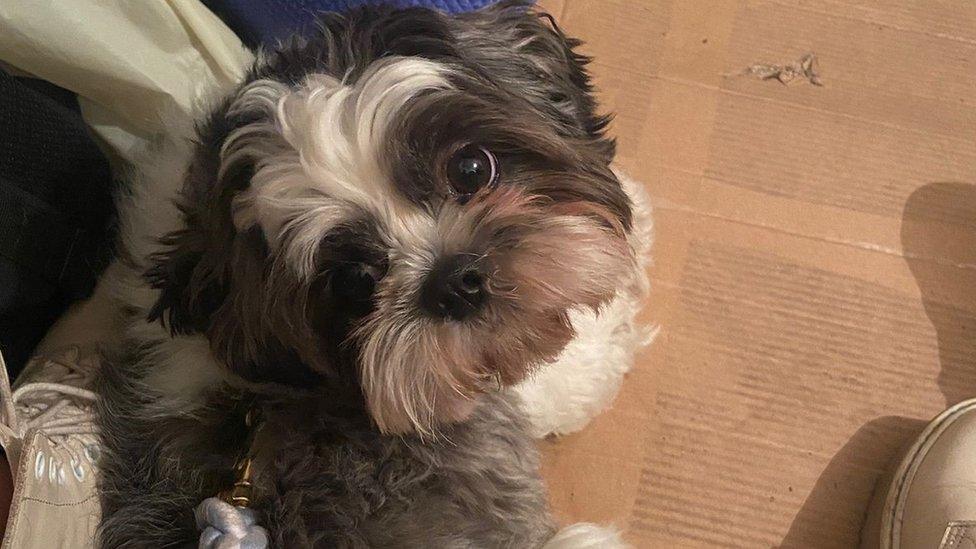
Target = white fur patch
(584,535)
(318,151)
(563,397)
(184,369)
(318,156)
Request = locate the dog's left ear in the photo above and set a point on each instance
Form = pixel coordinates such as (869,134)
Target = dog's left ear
(189,271)
(525,50)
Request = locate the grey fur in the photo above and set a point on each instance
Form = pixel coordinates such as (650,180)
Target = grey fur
(327,476)
(330,479)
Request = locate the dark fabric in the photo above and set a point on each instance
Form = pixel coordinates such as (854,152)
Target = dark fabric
(55,211)
(266,22)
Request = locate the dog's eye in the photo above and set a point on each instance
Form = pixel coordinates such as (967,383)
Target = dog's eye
(470,169)
(355,281)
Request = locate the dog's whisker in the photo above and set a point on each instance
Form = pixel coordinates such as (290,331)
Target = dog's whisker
(373,244)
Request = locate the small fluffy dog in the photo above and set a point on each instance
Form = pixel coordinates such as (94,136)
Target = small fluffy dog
(383,228)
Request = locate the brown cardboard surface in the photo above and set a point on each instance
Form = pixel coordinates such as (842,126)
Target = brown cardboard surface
(814,268)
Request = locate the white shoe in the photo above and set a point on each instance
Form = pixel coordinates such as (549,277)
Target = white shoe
(48,433)
(929,500)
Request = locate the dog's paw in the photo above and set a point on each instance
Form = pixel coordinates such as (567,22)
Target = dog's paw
(584,535)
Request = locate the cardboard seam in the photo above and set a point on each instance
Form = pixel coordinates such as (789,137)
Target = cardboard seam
(939,35)
(663,205)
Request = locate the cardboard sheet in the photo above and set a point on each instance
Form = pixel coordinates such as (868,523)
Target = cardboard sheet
(815,262)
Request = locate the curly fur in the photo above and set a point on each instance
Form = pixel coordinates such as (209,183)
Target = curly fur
(327,477)
(383,425)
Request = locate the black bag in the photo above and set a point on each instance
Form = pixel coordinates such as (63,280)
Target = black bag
(55,210)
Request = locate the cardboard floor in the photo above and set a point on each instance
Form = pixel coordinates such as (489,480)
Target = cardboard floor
(815,262)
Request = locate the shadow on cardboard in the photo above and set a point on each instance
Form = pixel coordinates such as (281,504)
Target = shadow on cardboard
(849,480)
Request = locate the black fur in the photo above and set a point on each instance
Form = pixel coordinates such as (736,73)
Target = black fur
(328,478)
(546,77)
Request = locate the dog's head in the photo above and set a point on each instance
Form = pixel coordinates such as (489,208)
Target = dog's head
(407,199)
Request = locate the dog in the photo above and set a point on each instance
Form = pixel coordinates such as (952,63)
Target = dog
(381,231)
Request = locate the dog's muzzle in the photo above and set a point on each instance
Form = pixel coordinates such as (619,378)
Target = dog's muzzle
(454,289)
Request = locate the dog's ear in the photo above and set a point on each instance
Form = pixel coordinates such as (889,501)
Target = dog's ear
(212,277)
(525,50)
(192,268)
(188,271)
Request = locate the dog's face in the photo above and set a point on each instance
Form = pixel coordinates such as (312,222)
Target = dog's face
(411,201)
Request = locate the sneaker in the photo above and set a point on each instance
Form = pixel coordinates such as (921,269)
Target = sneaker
(929,499)
(47,431)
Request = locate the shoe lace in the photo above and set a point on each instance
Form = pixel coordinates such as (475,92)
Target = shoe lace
(46,405)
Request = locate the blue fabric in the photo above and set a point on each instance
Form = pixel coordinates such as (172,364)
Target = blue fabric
(266,22)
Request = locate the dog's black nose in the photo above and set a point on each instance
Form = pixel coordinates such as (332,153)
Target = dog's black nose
(454,289)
